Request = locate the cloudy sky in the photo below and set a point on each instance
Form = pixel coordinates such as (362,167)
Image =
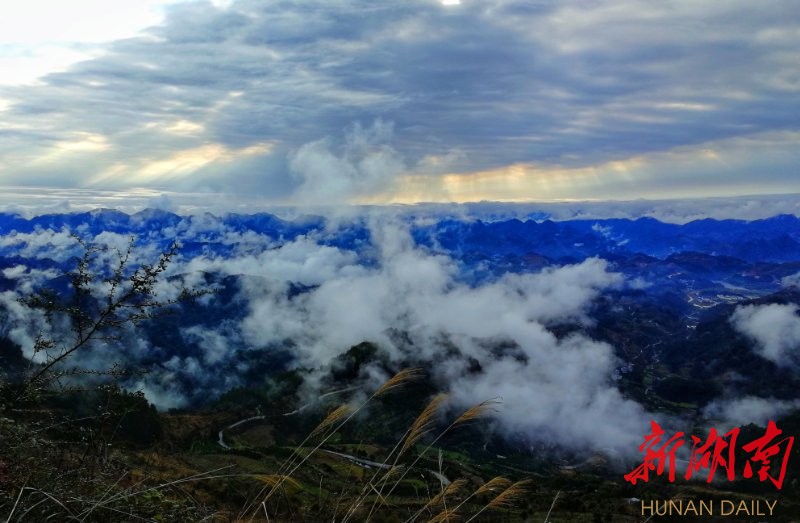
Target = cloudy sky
(334,101)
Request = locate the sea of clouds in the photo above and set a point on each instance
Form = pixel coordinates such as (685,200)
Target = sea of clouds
(409,300)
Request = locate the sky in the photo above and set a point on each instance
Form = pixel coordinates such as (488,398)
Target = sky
(316,102)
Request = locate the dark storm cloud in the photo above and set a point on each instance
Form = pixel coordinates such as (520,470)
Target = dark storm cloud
(490,83)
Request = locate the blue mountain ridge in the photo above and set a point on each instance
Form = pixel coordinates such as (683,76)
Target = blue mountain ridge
(775,239)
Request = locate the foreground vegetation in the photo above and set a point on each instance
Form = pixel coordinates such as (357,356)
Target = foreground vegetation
(397,455)
(59,465)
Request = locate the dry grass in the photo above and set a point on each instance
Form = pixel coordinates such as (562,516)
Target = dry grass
(440,499)
(498,483)
(336,415)
(509,496)
(446,515)
(477,411)
(507,499)
(450,490)
(424,422)
(398,380)
(328,427)
(422,425)
(493,485)
(159,481)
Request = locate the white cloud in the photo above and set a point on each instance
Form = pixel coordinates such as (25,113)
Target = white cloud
(216,345)
(22,325)
(749,409)
(365,164)
(559,390)
(774,328)
(43,243)
(301,261)
(15,272)
(791,281)
(560,395)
